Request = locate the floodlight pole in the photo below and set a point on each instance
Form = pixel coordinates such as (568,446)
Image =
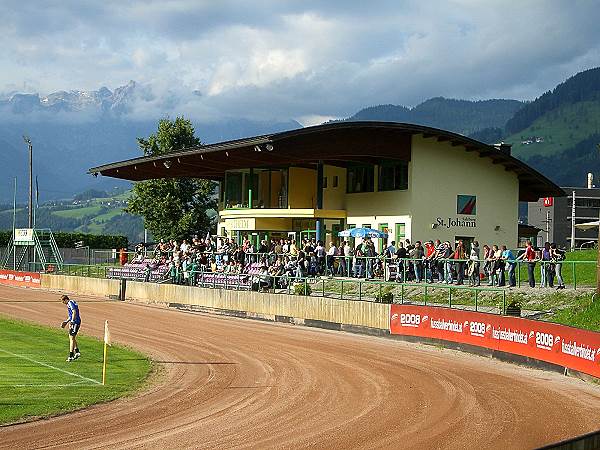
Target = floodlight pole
(30,216)
(598,250)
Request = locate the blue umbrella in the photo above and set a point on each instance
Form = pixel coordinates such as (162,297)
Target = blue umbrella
(362,233)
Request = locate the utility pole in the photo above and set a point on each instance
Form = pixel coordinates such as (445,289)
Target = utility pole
(573,210)
(30,217)
(598,248)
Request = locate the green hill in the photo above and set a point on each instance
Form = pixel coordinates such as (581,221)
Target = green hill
(557,130)
(95,215)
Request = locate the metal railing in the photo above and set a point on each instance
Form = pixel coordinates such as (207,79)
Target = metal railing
(575,274)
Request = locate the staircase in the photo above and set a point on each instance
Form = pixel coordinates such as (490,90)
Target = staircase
(46,256)
(47,251)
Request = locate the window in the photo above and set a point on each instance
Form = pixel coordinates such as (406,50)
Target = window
(324,182)
(586,202)
(400,231)
(393,176)
(360,179)
(366,225)
(335,181)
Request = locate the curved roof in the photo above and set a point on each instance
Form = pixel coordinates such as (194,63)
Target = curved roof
(338,143)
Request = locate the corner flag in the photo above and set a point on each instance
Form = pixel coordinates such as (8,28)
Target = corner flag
(106,344)
(106,333)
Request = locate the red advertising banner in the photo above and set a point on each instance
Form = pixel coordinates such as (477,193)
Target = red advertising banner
(548,201)
(22,279)
(558,344)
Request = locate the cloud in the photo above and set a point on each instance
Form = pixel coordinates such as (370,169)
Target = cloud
(303,59)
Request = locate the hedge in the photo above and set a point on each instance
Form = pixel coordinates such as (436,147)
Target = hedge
(67,240)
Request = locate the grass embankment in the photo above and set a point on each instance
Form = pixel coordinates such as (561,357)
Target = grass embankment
(582,313)
(33,372)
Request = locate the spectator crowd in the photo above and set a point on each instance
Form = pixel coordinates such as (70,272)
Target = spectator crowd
(429,262)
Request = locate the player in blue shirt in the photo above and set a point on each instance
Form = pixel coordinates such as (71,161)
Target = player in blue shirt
(75,323)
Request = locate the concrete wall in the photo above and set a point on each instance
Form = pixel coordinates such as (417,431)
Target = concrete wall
(364,314)
(81,285)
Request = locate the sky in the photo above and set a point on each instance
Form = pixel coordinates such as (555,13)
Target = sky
(306,60)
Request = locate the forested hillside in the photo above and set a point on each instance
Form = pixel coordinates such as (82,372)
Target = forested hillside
(461,116)
(585,86)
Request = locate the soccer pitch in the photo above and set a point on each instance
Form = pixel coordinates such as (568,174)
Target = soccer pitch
(36,381)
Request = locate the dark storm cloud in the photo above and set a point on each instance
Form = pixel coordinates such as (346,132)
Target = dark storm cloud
(297,59)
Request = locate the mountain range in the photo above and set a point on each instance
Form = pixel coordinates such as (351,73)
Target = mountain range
(74,130)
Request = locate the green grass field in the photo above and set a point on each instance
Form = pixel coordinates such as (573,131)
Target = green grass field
(79,213)
(36,380)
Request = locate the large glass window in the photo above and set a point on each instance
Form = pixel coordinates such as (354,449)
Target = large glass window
(360,179)
(256,188)
(393,176)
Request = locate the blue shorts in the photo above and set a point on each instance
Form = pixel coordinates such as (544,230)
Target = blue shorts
(74,329)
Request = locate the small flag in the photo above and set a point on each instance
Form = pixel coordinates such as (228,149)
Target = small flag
(106,333)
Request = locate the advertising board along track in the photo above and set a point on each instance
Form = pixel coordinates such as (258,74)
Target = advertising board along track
(20,279)
(561,345)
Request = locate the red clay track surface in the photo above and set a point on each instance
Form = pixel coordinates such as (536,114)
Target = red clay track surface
(245,384)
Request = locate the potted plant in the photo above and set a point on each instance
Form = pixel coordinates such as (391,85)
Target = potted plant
(514,308)
(386,296)
(302,289)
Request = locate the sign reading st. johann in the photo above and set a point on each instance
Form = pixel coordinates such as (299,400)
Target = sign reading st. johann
(466,222)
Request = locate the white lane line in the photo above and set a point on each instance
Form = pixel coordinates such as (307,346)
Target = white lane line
(49,366)
(77,383)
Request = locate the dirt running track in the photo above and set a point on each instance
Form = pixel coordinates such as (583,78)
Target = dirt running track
(241,383)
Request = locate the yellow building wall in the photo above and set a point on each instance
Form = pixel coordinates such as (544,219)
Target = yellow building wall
(445,171)
(302,188)
(334,197)
(438,172)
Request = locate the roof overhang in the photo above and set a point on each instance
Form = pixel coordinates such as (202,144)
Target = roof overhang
(340,143)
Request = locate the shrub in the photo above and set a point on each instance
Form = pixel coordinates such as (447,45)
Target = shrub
(514,308)
(386,296)
(302,289)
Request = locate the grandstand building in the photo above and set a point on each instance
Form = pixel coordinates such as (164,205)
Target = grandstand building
(412,181)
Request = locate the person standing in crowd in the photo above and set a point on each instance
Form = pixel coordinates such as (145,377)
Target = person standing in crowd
(401,256)
(460,256)
(509,260)
(487,263)
(547,267)
(499,267)
(359,267)
(529,257)
(331,255)
(320,254)
(416,255)
(370,257)
(429,261)
(447,257)
(474,264)
(557,256)
(347,259)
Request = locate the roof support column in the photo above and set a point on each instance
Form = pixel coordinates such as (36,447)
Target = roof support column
(319,223)
(250,186)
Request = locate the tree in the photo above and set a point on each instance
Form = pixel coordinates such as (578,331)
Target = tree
(173,208)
